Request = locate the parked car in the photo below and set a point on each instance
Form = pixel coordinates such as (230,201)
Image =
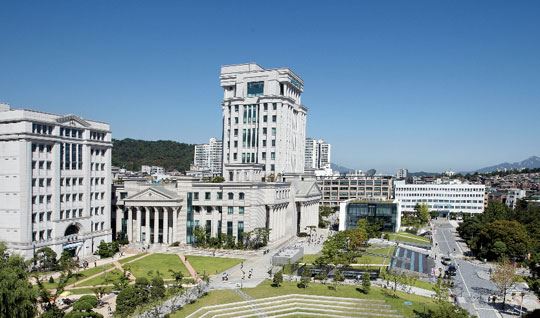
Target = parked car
(446,260)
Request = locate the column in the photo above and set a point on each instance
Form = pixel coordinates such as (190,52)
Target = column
(147,226)
(139,231)
(166,225)
(156,225)
(130,225)
(119,217)
(174,224)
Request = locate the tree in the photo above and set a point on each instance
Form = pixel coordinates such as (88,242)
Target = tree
(47,299)
(217,179)
(305,278)
(366,283)
(121,282)
(200,236)
(278,279)
(67,263)
(107,249)
(45,259)
(82,308)
(510,234)
(157,291)
(17,297)
(422,212)
(504,277)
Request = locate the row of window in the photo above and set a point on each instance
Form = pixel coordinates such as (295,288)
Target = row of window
(475,195)
(71,156)
(41,235)
(94,135)
(41,182)
(209,209)
(96,181)
(71,214)
(42,216)
(71,181)
(97,152)
(41,148)
(71,197)
(97,167)
(219,196)
(445,189)
(40,199)
(265,107)
(71,132)
(42,129)
(448,201)
(42,164)
(446,207)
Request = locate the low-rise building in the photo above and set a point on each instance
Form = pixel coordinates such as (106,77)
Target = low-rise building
(152,170)
(448,197)
(341,188)
(388,212)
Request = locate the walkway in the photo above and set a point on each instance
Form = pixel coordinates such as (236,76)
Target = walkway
(190,268)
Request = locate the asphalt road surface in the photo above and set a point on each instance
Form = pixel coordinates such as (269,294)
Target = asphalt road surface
(472,290)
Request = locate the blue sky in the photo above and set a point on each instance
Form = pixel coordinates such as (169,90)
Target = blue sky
(427,85)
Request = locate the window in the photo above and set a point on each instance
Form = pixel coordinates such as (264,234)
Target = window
(264,143)
(236,132)
(236,108)
(220,195)
(230,210)
(264,155)
(255,89)
(265,119)
(236,144)
(229,228)
(274,118)
(236,120)
(274,130)
(230,195)
(241,210)
(265,131)
(273,143)
(273,155)
(195,196)
(207,196)
(272,167)
(241,195)
(274,106)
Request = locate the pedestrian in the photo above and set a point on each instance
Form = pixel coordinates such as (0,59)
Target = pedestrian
(95,264)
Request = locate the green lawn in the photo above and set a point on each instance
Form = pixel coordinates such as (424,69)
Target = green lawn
(157,262)
(212,265)
(83,274)
(408,237)
(213,298)
(103,279)
(266,290)
(127,259)
(372,259)
(83,291)
(418,303)
(309,258)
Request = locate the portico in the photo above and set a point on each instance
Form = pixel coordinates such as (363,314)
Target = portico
(150,216)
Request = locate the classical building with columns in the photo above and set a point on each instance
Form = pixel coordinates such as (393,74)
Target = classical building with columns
(265,186)
(55,177)
(169,212)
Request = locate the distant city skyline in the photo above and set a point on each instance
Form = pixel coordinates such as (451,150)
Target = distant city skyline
(417,85)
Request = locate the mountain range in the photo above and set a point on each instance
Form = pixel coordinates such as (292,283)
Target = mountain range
(529,163)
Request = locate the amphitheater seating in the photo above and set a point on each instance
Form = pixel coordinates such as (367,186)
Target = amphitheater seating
(296,305)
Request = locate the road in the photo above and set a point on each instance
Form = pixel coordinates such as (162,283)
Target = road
(471,285)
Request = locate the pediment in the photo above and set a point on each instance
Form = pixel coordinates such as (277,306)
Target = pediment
(73,121)
(151,194)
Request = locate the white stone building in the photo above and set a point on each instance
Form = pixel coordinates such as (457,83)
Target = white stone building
(152,170)
(402,174)
(265,186)
(455,197)
(264,121)
(513,195)
(208,157)
(55,177)
(317,154)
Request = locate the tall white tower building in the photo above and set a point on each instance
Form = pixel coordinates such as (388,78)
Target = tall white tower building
(264,121)
(317,155)
(55,182)
(209,156)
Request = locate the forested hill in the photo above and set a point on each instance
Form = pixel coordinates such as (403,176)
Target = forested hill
(131,154)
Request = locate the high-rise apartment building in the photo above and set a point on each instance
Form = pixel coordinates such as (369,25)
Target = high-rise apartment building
(55,182)
(264,121)
(209,156)
(317,154)
(402,174)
